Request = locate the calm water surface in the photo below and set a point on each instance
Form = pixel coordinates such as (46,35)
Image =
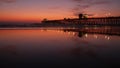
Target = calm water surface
(44,47)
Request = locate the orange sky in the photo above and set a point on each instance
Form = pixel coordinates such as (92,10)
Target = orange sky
(37,10)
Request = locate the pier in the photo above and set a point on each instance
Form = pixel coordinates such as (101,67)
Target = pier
(98,21)
(102,21)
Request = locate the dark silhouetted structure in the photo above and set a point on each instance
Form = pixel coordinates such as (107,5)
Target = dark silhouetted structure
(83,20)
(81,16)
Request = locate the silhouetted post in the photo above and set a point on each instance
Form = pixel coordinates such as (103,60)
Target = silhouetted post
(80,16)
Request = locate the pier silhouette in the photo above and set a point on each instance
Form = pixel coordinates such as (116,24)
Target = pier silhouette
(83,20)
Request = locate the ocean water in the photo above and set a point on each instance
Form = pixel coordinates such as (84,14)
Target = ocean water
(59,47)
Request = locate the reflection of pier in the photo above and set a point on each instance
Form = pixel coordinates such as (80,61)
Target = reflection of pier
(108,31)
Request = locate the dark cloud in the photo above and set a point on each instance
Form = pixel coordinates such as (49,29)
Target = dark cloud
(91,1)
(82,5)
(78,0)
(100,2)
(7,1)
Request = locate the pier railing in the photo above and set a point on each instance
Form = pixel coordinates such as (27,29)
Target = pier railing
(96,21)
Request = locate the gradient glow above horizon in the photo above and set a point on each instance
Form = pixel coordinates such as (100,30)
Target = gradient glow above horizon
(37,10)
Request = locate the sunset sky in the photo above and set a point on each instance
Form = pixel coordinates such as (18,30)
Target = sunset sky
(37,10)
